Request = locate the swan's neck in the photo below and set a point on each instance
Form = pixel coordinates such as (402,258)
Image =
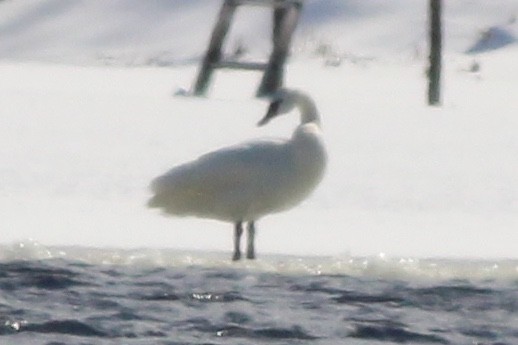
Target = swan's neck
(308,110)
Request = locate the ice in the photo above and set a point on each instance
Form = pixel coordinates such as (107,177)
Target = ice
(81,140)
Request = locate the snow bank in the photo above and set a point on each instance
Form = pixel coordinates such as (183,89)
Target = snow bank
(165,32)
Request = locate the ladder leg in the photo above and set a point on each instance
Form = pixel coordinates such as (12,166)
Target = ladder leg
(285,22)
(213,54)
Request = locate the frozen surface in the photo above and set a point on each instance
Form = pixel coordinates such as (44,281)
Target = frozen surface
(81,138)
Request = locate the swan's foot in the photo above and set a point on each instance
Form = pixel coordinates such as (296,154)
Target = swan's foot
(250,249)
(238,231)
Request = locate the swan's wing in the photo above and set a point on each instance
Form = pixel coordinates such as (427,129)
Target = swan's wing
(212,178)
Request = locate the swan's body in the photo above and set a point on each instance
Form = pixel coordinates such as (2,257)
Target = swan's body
(245,182)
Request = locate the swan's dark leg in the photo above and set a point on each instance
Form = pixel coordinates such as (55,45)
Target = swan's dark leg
(250,250)
(238,231)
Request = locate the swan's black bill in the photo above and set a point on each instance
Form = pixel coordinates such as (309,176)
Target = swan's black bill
(272,112)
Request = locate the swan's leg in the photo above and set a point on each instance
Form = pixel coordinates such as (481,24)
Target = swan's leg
(238,231)
(250,250)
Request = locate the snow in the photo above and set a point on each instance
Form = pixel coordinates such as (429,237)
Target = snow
(82,134)
(168,32)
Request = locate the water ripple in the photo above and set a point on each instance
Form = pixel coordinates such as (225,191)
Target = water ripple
(354,297)
(70,327)
(230,296)
(295,332)
(30,275)
(393,334)
(65,302)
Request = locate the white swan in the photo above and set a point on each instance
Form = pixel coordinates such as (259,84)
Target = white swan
(245,182)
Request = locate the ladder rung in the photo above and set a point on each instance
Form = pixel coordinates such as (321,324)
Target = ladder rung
(270,3)
(253,66)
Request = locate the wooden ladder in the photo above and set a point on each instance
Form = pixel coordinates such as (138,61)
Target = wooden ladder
(285,17)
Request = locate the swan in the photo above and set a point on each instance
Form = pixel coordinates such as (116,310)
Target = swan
(243,183)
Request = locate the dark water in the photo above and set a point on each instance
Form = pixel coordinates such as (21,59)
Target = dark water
(57,301)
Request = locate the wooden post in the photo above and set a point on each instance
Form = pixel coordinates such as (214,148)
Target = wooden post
(285,17)
(285,21)
(434,71)
(213,55)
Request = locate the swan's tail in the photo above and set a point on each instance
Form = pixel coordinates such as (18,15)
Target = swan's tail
(173,197)
(156,201)
(164,191)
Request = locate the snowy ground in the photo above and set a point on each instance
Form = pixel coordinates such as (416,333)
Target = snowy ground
(168,32)
(79,144)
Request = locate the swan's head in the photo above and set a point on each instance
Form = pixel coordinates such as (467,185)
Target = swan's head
(281,102)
